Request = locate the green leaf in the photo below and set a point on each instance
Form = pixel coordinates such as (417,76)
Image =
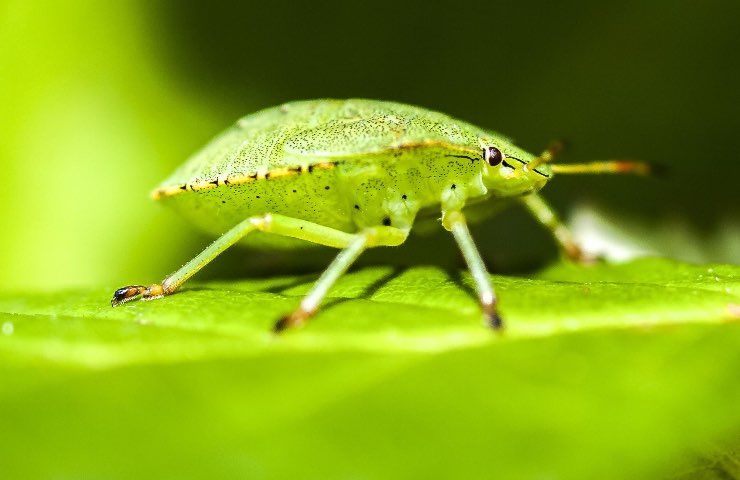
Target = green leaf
(611,371)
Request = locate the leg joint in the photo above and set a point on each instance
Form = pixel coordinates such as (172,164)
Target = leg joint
(452,217)
(262,222)
(384,236)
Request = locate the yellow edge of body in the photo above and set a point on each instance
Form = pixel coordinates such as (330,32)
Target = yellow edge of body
(169,191)
(240,179)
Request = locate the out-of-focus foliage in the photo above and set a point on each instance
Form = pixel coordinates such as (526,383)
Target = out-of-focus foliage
(614,372)
(89,119)
(99,102)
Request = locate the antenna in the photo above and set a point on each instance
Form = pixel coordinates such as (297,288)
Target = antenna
(552,151)
(607,166)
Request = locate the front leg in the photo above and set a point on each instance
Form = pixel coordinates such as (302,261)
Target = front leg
(545,215)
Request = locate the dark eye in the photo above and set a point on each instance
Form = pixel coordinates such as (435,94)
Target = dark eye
(493,156)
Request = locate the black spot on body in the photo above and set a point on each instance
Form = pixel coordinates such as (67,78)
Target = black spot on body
(214,182)
(357,207)
(453,186)
(387,221)
(326,187)
(404,196)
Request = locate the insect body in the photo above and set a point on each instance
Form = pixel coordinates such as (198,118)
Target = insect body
(353,174)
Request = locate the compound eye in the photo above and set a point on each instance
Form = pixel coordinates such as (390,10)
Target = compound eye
(494,156)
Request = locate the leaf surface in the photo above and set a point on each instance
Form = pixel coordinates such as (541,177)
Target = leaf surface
(612,371)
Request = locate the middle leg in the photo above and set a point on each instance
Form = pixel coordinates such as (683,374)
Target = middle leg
(371,237)
(454,221)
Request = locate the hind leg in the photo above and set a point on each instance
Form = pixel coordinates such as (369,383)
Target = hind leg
(268,223)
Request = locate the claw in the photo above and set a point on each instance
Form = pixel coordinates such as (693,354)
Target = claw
(295,319)
(492,318)
(126,294)
(575,254)
(132,292)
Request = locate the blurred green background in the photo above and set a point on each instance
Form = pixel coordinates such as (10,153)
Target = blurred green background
(101,100)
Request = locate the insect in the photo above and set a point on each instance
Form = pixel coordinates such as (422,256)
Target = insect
(355,174)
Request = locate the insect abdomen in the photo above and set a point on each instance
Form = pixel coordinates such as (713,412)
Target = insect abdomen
(311,196)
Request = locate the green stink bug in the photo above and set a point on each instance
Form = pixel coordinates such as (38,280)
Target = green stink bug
(354,174)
